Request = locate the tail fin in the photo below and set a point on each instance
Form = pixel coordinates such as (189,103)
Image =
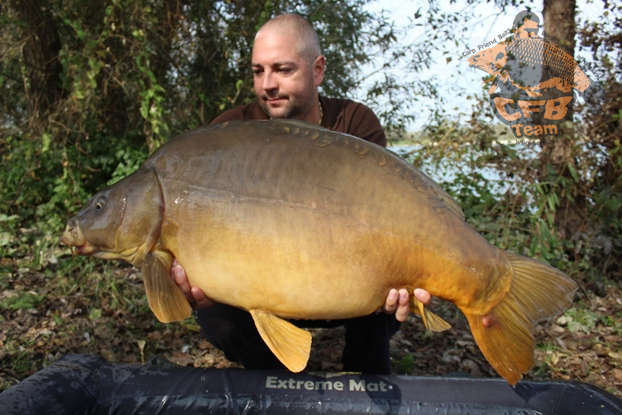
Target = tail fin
(505,334)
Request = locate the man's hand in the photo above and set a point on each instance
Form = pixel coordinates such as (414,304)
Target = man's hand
(194,295)
(397,302)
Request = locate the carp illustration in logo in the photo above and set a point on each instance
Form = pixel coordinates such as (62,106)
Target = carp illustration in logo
(533,81)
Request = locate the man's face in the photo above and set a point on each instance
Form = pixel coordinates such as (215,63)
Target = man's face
(285,82)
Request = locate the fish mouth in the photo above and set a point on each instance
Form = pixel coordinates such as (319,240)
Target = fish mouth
(73,238)
(79,245)
(83,249)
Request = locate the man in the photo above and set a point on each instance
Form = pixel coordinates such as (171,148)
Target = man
(288,68)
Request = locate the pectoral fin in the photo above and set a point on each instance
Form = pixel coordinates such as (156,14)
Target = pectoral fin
(431,321)
(166,300)
(290,344)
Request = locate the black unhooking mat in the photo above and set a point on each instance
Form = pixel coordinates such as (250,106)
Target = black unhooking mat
(79,384)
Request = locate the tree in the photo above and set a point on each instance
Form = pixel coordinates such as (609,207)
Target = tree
(557,155)
(579,170)
(90,88)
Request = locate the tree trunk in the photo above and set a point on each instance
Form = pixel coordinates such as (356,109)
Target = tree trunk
(41,59)
(557,152)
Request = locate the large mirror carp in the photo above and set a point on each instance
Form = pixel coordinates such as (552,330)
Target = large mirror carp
(291,221)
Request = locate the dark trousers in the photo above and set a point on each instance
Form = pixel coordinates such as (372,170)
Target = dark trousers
(233,331)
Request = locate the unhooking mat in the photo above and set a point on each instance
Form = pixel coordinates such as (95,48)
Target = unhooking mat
(78,384)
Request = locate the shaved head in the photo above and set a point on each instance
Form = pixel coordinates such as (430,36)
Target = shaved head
(298,28)
(288,68)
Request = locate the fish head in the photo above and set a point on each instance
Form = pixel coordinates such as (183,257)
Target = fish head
(489,60)
(120,222)
(480,60)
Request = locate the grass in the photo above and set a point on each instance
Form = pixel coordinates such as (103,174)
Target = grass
(406,364)
(24,301)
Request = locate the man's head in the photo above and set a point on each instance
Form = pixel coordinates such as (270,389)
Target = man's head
(287,68)
(526,24)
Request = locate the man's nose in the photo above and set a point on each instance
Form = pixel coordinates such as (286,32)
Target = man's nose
(269,81)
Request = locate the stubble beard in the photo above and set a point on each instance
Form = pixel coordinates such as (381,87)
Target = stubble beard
(291,110)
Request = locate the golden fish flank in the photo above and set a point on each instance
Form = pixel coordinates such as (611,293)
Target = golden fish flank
(288,220)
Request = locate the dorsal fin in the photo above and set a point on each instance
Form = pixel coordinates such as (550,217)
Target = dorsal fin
(452,205)
(449,201)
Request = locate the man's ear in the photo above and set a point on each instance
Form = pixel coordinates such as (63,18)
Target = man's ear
(318,69)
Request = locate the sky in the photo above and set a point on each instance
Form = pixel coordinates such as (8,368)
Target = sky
(489,25)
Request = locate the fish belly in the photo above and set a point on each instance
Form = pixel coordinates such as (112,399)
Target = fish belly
(316,227)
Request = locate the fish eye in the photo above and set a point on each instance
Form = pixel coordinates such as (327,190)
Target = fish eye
(100,203)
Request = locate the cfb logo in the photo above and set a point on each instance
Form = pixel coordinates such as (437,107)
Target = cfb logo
(519,116)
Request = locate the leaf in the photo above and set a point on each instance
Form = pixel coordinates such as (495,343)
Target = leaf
(46,139)
(573,172)
(615,355)
(95,314)
(141,348)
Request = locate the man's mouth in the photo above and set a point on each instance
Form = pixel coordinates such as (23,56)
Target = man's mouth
(275,100)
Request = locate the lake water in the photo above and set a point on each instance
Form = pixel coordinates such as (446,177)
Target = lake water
(450,169)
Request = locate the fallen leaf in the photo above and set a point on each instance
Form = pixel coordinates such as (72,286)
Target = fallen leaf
(204,344)
(615,356)
(617,374)
(180,359)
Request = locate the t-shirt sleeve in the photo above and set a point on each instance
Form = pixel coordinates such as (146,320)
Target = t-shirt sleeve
(230,115)
(250,111)
(354,118)
(365,125)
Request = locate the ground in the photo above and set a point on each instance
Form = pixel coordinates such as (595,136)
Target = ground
(62,306)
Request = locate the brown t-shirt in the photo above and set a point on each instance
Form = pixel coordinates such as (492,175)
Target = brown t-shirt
(341,115)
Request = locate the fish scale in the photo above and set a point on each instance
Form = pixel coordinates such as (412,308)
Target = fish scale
(298,222)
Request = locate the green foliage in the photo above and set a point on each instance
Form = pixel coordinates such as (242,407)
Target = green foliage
(579,319)
(120,77)
(25,301)
(95,314)
(8,234)
(480,170)
(406,364)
